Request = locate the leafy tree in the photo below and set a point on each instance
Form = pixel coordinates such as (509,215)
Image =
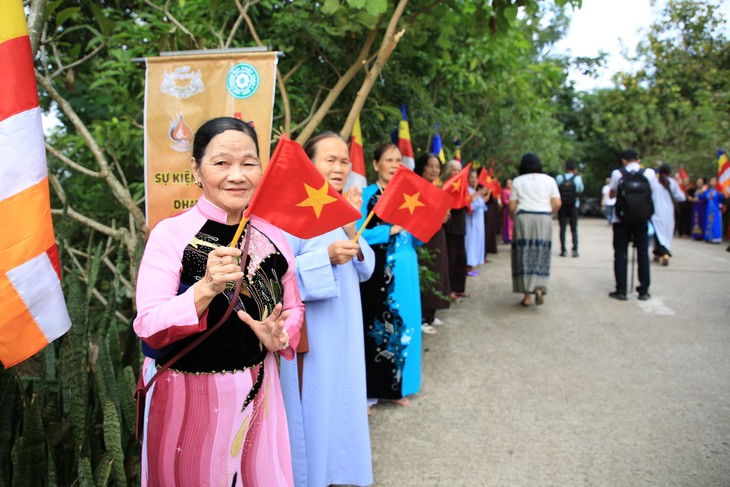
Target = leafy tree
(476,66)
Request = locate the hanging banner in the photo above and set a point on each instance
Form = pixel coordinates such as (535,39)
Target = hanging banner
(181,93)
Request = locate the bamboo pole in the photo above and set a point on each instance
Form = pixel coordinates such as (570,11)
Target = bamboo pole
(364,225)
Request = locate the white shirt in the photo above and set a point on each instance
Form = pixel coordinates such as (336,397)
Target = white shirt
(605,192)
(533,192)
(616,177)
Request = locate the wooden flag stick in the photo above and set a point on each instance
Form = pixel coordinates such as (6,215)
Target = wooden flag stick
(365,224)
(239,231)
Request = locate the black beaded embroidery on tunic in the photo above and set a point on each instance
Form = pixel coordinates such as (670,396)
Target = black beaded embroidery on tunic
(233,346)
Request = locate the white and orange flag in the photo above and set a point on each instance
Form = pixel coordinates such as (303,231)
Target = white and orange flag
(357,176)
(32,309)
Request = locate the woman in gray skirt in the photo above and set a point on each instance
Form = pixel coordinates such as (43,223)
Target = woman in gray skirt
(534,198)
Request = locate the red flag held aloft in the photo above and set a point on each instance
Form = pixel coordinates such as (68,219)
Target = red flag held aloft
(295,197)
(413,203)
(484,178)
(458,187)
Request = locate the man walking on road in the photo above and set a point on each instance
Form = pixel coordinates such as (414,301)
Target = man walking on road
(570,185)
(631,186)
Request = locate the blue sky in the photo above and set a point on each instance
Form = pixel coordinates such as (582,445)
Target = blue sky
(614,26)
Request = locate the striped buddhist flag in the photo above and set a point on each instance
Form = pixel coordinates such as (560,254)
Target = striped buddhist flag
(723,171)
(437,147)
(404,140)
(357,176)
(32,309)
(457,151)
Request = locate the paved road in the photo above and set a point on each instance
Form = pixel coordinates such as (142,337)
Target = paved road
(582,391)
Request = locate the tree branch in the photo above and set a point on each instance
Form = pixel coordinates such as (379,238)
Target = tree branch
(279,78)
(119,234)
(120,192)
(73,165)
(390,41)
(35,23)
(165,10)
(337,89)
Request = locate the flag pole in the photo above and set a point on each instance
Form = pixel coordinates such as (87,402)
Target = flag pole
(239,231)
(365,224)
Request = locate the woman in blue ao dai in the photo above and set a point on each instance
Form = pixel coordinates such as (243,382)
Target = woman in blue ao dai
(391,304)
(326,405)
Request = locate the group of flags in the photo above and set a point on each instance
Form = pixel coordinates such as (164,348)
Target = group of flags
(33,312)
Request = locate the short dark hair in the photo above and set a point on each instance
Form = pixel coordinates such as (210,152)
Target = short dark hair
(571,165)
(382,148)
(665,169)
(630,155)
(422,162)
(530,163)
(310,147)
(217,126)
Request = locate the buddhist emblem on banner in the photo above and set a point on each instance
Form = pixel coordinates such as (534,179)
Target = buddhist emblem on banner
(242,81)
(180,134)
(182,83)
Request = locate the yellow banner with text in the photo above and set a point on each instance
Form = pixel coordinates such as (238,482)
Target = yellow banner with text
(182,92)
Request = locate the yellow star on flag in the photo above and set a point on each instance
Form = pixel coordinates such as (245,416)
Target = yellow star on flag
(317,198)
(411,202)
(456,186)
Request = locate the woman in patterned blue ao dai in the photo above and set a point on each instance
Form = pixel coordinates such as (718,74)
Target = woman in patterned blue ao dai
(391,304)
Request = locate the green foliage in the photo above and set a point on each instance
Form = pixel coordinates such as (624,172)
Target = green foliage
(478,67)
(71,426)
(674,107)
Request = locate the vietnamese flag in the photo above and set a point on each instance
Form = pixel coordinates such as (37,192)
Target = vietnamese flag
(413,203)
(295,197)
(484,178)
(458,187)
(357,176)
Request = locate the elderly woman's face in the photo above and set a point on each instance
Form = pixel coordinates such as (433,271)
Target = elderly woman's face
(432,171)
(332,160)
(229,172)
(388,164)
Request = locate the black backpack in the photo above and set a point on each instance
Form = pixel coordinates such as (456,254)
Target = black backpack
(633,197)
(568,193)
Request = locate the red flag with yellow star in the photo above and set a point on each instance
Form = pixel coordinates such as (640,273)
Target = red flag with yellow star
(295,197)
(458,187)
(413,203)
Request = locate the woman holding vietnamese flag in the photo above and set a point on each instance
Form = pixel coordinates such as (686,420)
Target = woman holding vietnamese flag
(215,414)
(324,389)
(391,304)
(428,166)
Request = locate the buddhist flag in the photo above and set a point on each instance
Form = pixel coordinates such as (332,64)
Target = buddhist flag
(436,145)
(458,187)
(413,203)
(357,176)
(723,172)
(32,309)
(457,150)
(295,197)
(404,140)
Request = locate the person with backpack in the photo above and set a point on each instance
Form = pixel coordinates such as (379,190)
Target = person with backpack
(570,186)
(632,186)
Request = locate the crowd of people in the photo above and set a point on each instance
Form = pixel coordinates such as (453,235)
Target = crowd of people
(266,355)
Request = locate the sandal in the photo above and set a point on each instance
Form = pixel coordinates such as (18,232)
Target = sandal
(538,297)
(428,329)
